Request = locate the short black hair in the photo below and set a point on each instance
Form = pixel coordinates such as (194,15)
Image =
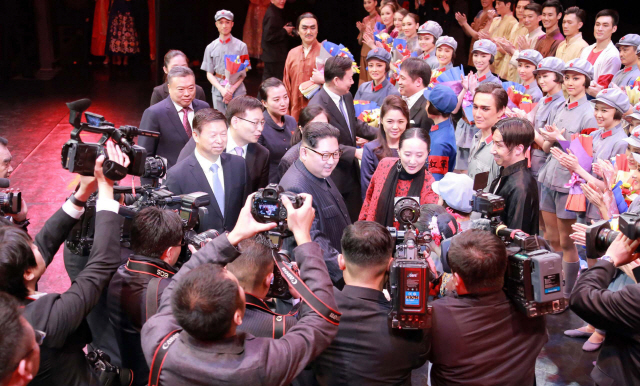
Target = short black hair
(535,7)
(307,115)
(417,68)
(553,4)
(254,263)
(433,110)
(306,15)
(16,256)
(415,132)
(515,131)
(4,141)
(12,336)
(316,131)
(336,67)
(266,85)
(511,3)
(207,115)
(367,245)
(580,13)
(179,72)
(500,97)
(239,106)
(612,13)
(155,230)
(205,301)
(480,258)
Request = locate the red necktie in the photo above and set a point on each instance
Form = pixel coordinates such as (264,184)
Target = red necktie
(185,121)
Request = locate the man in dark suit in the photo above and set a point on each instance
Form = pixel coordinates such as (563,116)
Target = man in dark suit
(366,350)
(172,117)
(246,121)
(414,77)
(504,342)
(209,169)
(615,312)
(161,93)
(335,98)
(319,155)
(275,40)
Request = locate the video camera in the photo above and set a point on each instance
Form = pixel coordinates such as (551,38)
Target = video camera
(10,202)
(190,207)
(108,374)
(600,235)
(410,275)
(80,157)
(533,279)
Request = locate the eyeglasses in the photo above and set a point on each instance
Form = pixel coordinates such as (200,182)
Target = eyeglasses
(255,124)
(326,156)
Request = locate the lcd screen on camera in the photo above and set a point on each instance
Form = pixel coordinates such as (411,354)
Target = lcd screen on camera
(412,298)
(268,210)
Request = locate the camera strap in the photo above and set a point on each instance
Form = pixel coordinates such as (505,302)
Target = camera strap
(330,315)
(148,269)
(279,320)
(160,355)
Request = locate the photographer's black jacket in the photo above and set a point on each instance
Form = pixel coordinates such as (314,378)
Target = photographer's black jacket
(619,315)
(260,322)
(519,189)
(127,311)
(62,316)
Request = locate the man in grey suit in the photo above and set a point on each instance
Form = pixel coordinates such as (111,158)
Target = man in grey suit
(193,338)
(319,155)
(172,117)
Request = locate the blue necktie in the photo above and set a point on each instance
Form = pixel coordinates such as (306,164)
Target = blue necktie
(218,190)
(344,113)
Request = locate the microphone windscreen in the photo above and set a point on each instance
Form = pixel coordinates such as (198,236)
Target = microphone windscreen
(4,183)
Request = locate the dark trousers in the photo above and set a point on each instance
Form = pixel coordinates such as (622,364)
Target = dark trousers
(273,70)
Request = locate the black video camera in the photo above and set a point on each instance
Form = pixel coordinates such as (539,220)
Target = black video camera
(80,157)
(108,374)
(266,207)
(410,275)
(10,202)
(600,235)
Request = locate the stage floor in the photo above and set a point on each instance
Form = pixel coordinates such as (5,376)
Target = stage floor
(34,118)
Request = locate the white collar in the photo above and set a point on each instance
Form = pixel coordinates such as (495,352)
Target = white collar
(535,31)
(231,144)
(205,163)
(178,107)
(334,97)
(575,38)
(414,98)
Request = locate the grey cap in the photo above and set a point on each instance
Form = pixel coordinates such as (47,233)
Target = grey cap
(629,40)
(550,63)
(431,27)
(456,190)
(224,14)
(486,46)
(615,98)
(380,54)
(634,139)
(532,56)
(636,112)
(447,40)
(580,66)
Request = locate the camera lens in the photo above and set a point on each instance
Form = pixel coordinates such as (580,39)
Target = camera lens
(604,239)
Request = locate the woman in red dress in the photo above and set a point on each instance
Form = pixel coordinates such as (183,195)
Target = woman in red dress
(406,176)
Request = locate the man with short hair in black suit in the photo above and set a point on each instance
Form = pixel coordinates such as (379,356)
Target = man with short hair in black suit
(173,117)
(246,122)
(335,98)
(366,350)
(209,169)
(414,77)
(319,155)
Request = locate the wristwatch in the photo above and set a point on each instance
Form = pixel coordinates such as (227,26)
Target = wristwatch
(607,258)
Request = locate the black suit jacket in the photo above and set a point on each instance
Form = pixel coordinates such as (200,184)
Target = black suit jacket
(188,177)
(62,316)
(336,118)
(366,350)
(164,118)
(331,213)
(162,92)
(418,114)
(257,160)
(618,314)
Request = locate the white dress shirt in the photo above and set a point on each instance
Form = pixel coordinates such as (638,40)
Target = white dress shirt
(336,99)
(181,112)
(231,145)
(413,98)
(205,164)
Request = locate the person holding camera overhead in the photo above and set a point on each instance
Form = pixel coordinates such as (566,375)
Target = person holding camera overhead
(399,177)
(62,316)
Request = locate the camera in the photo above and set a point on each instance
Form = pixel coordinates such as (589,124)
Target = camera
(410,275)
(533,279)
(10,202)
(80,157)
(197,240)
(266,206)
(600,235)
(279,287)
(108,374)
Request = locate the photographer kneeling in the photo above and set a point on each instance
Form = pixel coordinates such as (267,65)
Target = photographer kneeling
(193,340)
(614,312)
(62,316)
(156,237)
(479,337)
